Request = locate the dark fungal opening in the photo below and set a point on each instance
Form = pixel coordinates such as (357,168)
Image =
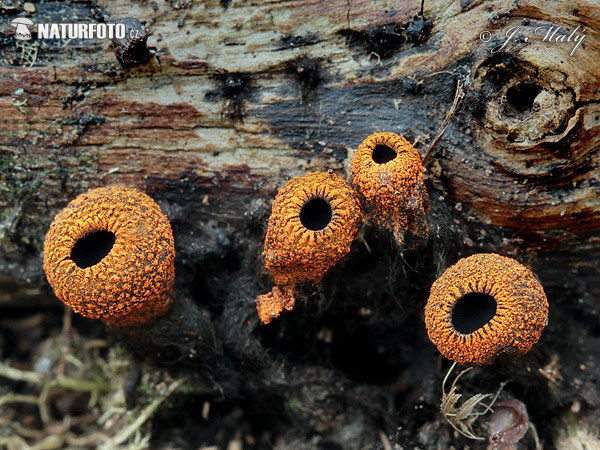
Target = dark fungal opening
(472,311)
(383,153)
(91,249)
(316,214)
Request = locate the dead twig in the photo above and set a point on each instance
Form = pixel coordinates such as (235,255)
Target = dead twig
(64,382)
(20,105)
(385,442)
(94,388)
(18,398)
(536,437)
(125,433)
(459,95)
(462,417)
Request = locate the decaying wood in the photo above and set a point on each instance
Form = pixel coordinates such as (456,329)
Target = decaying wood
(239,98)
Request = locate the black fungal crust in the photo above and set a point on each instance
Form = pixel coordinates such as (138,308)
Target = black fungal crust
(234,89)
(419,29)
(412,85)
(288,41)
(132,50)
(382,40)
(387,39)
(308,76)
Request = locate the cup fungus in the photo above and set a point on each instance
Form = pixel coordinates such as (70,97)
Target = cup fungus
(388,174)
(313,221)
(484,306)
(109,255)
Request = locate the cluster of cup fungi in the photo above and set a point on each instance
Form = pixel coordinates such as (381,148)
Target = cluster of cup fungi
(484,306)
(109,254)
(315,218)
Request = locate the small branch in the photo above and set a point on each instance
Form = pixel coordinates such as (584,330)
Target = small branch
(17,398)
(348,13)
(19,375)
(459,94)
(73,384)
(47,384)
(146,413)
(536,438)
(43,404)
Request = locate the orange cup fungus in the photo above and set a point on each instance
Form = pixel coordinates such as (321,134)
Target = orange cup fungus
(484,306)
(109,255)
(388,174)
(313,222)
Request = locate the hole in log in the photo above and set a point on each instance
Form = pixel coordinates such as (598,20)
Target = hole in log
(520,98)
(316,214)
(473,311)
(383,154)
(91,249)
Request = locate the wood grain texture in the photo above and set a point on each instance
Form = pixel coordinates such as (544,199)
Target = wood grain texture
(238,99)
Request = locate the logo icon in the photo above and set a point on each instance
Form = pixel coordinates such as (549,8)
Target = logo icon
(21,24)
